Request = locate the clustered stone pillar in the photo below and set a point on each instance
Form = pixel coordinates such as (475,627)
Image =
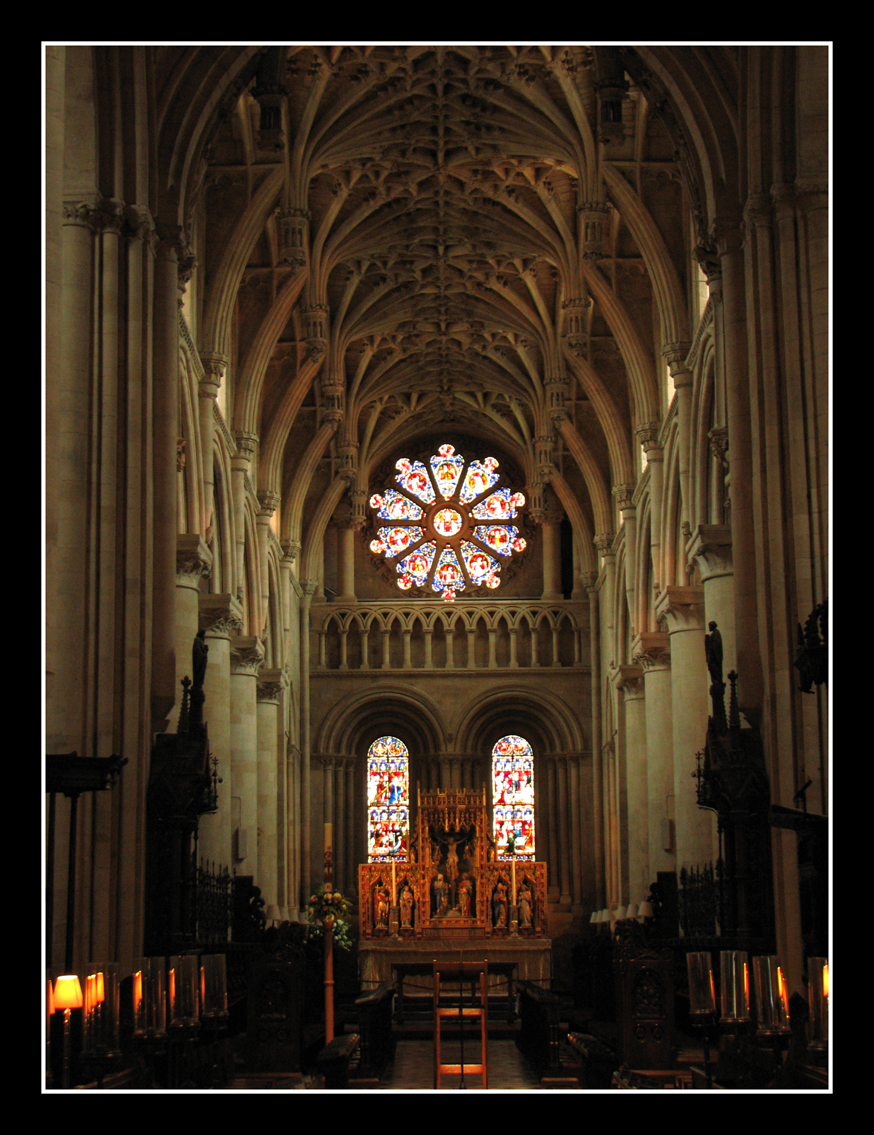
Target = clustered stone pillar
(636,835)
(651,652)
(214,368)
(221,616)
(193,563)
(682,610)
(247,658)
(346,530)
(309,589)
(270,685)
(550,528)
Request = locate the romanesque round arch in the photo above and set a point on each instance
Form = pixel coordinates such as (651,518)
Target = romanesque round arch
(411,716)
(543,718)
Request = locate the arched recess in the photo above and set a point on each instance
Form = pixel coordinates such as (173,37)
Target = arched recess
(540,717)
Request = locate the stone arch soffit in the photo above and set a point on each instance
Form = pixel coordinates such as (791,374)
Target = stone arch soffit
(543,715)
(413,717)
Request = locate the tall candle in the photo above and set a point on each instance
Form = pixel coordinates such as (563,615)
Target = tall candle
(328,830)
(394,884)
(513,879)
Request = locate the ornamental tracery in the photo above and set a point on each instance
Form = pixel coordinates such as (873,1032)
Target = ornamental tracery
(449,525)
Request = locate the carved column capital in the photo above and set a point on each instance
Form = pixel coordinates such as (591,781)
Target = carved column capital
(84,214)
(221,616)
(624,495)
(246,443)
(309,587)
(589,580)
(269,502)
(757,211)
(193,561)
(675,354)
(247,655)
(215,367)
(271,683)
(291,548)
(629,679)
(648,436)
(710,545)
(719,443)
(651,651)
(109,216)
(603,541)
(681,608)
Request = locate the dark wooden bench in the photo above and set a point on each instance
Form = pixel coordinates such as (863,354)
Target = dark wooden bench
(333,1060)
(540,1032)
(374,1015)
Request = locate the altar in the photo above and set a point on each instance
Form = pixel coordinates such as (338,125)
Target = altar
(448,897)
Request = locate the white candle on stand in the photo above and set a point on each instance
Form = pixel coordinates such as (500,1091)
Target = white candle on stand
(394,884)
(513,878)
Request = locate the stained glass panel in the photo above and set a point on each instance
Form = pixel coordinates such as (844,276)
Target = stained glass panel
(501,505)
(480,476)
(392,505)
(417,564)
(477,562)
(448,575)
(388,800)
(397,540)
(501,538)
(413,476)
(513,796)
(447,466)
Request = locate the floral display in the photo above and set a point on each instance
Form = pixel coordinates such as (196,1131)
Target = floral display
(330,909)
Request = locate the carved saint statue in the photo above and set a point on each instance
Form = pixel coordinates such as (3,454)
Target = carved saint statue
(199,651)
(713,652)
(406,907)
(380,902)
(525,905)
(464,896)
(500,906)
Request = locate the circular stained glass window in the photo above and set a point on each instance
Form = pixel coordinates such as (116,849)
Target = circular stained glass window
(447,523)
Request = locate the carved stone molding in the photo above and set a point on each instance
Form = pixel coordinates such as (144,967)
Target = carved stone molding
(719,443)
(246,443)
(651,650)
(291,549)
(676,355)
(221,616)
(629,679)
(269,502)
(595,219)
(757,211)
(271,683)
(710,545)
(109,216)
(85,214)
(681,608)
(648,436)
(215,367)
(193,560)
(589,580)
(624,496)
(247,655)
(603,541)
(140,225)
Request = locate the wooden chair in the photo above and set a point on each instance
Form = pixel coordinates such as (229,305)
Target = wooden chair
(461,972)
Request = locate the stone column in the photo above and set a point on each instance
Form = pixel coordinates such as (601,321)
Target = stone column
(350,825)
(214,369)
(711,547)
(648,436)
(676,354)
(193,563)
(635,841)
(550,529)
(293,829)
(240,462)
(165,432)
(270,686)
(306,881)
(554,872)
(595,647)
(564,832)
(346,530)
(221,616)
(624,497)
(268,502)
(247,657)
(651,652)
(730,299)
(682,610)
(576,829)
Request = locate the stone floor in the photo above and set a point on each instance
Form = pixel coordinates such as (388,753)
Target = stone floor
(413,1067)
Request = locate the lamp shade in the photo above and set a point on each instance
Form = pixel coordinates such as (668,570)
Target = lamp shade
(645,909)
(632,910)
(619,913)
(272,913)
(595,916)
(68,992)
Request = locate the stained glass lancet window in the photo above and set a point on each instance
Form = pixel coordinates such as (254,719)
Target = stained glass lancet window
(434,535)
(513,796)
(388,800)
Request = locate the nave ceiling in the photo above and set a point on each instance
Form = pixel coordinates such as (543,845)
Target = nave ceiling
(394,242)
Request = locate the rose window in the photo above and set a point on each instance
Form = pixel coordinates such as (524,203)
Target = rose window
(448,526)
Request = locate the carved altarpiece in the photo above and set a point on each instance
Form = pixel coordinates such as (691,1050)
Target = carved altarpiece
(456,886)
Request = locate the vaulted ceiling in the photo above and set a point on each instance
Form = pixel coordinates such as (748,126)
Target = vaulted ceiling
(395,241)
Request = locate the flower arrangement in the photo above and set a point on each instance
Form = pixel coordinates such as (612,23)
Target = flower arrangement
(333,907)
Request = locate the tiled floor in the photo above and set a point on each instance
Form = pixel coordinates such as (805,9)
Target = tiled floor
(413,1067)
